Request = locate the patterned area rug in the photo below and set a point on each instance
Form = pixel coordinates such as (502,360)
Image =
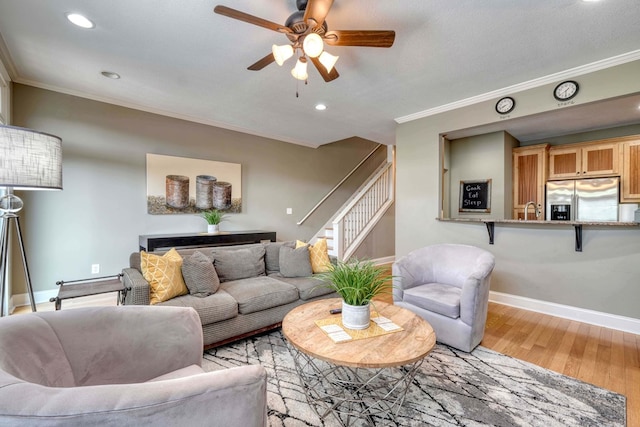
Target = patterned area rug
(452,388)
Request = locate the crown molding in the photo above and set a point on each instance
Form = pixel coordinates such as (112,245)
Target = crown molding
(531,84)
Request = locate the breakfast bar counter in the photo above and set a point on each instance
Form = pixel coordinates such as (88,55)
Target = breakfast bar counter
(490,223)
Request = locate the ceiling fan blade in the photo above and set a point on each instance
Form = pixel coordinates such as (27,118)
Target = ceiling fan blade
(327,76)
(262,63)
(317,10)
(360,38)
(245,17)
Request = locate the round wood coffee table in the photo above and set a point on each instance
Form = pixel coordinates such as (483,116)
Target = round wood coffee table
(359,378)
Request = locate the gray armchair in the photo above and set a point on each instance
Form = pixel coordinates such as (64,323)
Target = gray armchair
(448,286)
(120,366)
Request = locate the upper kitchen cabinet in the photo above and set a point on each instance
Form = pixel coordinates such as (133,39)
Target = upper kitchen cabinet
(630,171)
(529,177)
(584,160)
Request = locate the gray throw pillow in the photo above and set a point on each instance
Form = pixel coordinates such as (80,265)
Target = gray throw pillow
(295,262)
(236,264)
(272,255)
(199,275)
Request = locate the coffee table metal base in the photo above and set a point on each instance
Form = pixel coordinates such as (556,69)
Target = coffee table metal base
(350,394)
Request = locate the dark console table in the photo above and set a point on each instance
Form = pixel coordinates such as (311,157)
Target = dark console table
(151,242)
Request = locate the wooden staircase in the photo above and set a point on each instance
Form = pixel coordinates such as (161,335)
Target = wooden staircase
(359,215)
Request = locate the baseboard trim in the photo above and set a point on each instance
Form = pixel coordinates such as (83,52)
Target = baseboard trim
(19,300)
(598,318)
(384,260)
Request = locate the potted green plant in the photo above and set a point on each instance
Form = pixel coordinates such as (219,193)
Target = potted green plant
(213,217)
(357,282)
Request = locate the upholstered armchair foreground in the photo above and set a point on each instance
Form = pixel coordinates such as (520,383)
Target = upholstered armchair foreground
(120,366)
(448,286)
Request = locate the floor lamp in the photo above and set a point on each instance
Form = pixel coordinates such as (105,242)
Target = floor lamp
(29,160)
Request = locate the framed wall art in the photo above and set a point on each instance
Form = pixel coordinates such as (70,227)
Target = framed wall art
(180,185)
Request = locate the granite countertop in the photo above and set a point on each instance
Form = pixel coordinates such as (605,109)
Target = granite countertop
(538,222)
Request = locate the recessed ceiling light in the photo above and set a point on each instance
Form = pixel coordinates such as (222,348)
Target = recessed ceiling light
(111,75)
(321,107)
(80,20)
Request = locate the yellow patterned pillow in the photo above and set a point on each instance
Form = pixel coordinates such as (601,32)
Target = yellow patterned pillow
(164,274)
(318,254)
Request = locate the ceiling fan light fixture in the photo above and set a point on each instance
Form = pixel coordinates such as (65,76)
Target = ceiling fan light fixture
(312,45)
(282,53)
(300,70)
(328,60)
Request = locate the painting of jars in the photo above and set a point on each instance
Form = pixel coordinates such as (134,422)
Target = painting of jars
(179,185)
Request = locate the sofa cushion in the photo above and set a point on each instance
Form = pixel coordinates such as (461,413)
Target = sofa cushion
(308,287)
(272,255)
(437,297)
(164,275)
(199,275)
(235,264)
(211,309)
(179,373)
(260,293)
(295,262)
(318,254)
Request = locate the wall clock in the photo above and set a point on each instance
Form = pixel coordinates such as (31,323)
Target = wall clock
(566,90)
(505,105)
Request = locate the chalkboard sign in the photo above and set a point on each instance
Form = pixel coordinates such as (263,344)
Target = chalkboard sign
(475,196)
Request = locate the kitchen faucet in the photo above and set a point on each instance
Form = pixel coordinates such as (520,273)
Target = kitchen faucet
(535,207)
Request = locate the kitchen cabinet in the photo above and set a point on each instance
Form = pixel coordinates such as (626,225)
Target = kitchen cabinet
(630,171)
(529,177)
(584,160)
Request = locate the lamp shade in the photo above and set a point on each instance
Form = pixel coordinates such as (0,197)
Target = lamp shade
(328,60)
(30,160)
(282,53)
(312,45)
(300,70)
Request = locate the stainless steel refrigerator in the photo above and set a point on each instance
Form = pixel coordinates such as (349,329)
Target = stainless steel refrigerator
(594,199)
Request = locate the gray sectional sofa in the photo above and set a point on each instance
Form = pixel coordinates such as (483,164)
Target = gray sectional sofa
(259,285)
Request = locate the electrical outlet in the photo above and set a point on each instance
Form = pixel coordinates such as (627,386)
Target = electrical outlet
(95,268)
(289,211)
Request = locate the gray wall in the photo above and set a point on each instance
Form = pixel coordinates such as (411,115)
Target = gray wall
(537,262)
(98,216)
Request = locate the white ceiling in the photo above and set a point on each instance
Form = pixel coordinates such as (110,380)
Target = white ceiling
(178,58)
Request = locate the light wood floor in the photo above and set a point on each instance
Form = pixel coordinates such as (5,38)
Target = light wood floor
(607,358)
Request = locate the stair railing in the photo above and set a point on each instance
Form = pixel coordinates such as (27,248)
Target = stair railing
(351,227)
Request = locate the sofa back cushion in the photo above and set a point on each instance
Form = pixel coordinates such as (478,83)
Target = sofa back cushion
(242,263)
(272,255)
(31,351)
(295,262)
(199,274)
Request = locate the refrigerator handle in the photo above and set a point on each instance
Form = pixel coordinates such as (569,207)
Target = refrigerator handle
(576,200)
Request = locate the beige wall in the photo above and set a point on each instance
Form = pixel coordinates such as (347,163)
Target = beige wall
(537,262)
(98,216)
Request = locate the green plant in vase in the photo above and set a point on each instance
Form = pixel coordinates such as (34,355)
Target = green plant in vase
(357,282)
(213,217)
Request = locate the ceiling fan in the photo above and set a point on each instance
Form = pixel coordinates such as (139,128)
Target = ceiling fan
(307,31)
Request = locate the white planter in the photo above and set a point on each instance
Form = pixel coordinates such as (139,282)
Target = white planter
(355,316)
(213,228)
